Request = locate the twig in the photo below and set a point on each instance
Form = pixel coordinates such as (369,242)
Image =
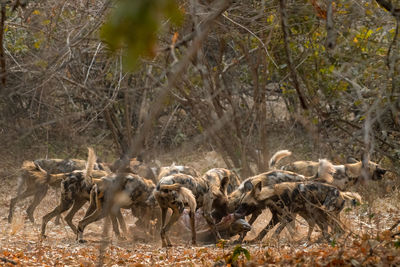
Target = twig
(258,38)
(293,72)
(91,63)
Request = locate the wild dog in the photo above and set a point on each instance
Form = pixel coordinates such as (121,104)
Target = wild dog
(127,191)
(75,191)
(34,174)
(317,203)
(135,166)
(220,173)
(54,166)
(173,169)
(208,194)
(345,176)
(271,178)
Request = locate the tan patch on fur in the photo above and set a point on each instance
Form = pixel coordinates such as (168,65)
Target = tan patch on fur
(282,187)
(266,192)
(353,169)
(187,197)
(170,186)
(351,196)
(325,171)
(307,168)
(90,164)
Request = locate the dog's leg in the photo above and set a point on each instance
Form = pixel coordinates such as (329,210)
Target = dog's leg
(78,204)
(58,218)
(64,205)
(39,195)
(274,221)
(253,218)
(324,230)
(20,196)
(95,216)
(163,217)
(311,225)
(284,222)
(193,226)
(122,223)
(207,208)
(115,226)
(176,214)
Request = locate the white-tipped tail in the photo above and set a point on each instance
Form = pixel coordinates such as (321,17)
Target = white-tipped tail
(351,196)
(90,164)
(278,156)
(188,198)
(325,170)
(40,168)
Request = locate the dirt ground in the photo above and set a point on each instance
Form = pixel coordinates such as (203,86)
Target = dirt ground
(366,241)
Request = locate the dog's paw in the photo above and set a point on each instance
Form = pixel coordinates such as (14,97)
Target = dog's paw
(82,241)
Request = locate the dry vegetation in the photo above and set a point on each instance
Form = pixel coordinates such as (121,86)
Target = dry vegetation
(230,85)
(366,241)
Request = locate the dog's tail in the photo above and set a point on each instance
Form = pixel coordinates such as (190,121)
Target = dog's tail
(39,168)
(352,196)
(278,156)
(325,171)
(90,165)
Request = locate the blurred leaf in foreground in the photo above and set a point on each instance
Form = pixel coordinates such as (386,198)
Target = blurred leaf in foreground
(134,25)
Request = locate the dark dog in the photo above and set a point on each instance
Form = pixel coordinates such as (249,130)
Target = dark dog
(179,190)
(219,173)
(37,181)
(75,191)
(317,203)
(174,169)
(271,178)
(136,166)
(127,191)
(345,176)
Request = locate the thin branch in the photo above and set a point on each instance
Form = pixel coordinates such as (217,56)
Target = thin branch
(293,72)
(255,36)
(330,31)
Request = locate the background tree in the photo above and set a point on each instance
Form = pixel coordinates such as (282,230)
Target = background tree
(244,78)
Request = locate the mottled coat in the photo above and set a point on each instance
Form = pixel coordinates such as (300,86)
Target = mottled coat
(208,194)
(345,175)
(116,191)
(318,203)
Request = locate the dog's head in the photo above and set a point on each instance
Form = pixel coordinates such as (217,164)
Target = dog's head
(252,200)
(220,199)
(376,172)
(373,170)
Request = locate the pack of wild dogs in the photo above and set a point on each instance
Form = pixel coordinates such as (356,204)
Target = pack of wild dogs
(316,191)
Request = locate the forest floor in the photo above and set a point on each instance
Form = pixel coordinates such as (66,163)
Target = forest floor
(367,242)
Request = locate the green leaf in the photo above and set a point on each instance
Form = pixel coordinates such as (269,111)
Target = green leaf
(239,250)
(133,26)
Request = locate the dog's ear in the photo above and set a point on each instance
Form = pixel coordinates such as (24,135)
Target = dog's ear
(351,159)
(224,185)
(248,186)
(257,189)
